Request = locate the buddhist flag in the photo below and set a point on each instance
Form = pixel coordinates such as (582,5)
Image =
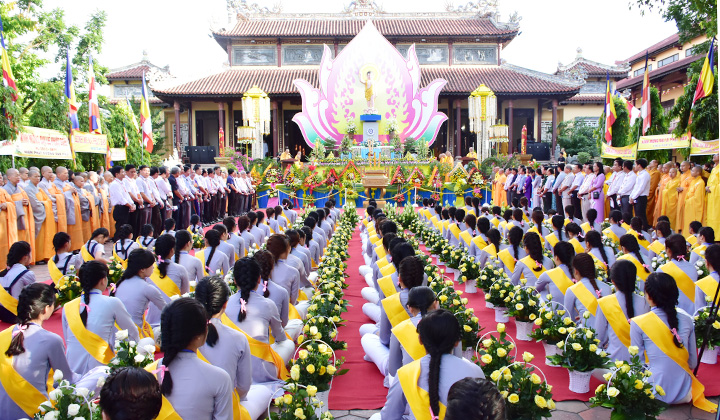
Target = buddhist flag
(70,95)
(133,120)
(8,79)
(610,114)
(145,122)
(707,76)
(108,157)
(93,103)
(645,110)
(127,139)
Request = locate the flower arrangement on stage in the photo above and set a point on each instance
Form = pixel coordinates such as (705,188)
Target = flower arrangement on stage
(128,353)
(524,304)
(492,272)
(553,325)
(392,127)
(580,350)
(495,352)
(351,128)
(629,391)
(460,186)
(69,402)
(68,288)
(702,319)
(528,395)
(116,270)
(299,403)
(315,365)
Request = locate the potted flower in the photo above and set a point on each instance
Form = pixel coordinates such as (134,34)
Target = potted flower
(453,259)
(469,273)
(489,274)
(68,288)
(115,270)
(132,354)
(500,295)
(581,355)
(702,319)
(315,364)
(450,299)
(495,351)
(524,308)
(701,268)
(299,403)
(69,402)
(629,392)
(470,329)
(324,327)
(553,324)
(527,394)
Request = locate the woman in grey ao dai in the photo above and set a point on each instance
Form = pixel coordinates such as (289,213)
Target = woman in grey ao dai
(183,245)
(134,290)
(165,250)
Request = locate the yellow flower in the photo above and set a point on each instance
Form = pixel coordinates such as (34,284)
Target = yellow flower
(625,369)
(613,392)
(513,398)
(562,330)
(589,334)
(300,414)
(311,390)
(303,354)
(577,346)
(310,368)
(443,298)
(532,317)
(593,348)
(322,348)
(500,328)
(716,325)
(527,357)
(295,372)
(619,363)
(600,388)
(501,352)
(300,339)
(607,376)
(540,401)
(467,328)
(495,375)
(278,401)
(486,358)
(535,379)
(660,391)
(464,301)
(531,302)
(566,321)
(586,314)
(538,322)
(639,384)
(322,370)
(331,369)
(633,350)
(548,315)
(287,399)
(519,306)
(551,404)
(313,330)
(560,344)
(487,342)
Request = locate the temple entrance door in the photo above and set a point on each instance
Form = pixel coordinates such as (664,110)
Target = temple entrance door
(207,125)
(521,116)
(294,139)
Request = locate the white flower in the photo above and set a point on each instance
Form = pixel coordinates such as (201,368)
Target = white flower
(194,283)
(174,297)
(83,392)
(139,358)
(54,394)
(699,263)
(73,409)
(43,407)
(57,376)
(700,272)
(121,335)
(100,382)
(53,415)
(148,349)
(132,343)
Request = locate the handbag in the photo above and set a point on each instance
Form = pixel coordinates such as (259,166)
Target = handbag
(596,195)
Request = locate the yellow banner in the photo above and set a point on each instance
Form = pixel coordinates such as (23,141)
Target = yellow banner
(89,143)
(117,154)
(663,142)
(625,152)
(701,148)
(42,143)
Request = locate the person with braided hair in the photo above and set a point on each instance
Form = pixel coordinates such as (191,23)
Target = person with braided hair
(595,247)
(455,228)
(667,336)
(284,274)
(591,224)
(194,388)
(705,288)
(94,248)
(662,232)
(183,246)
(297,263)
(612,322)
(244,229)
(557,280)
(297,251)
(256,232)
(469,233)
(616,230)
(224,246)
(258,317)
(124,244)
(475,399)
(684,273)
(169,277)
(631,250)
(313,246)
(281,219)
(575,236)
(584,294)
(212,259)
(386,285)
(28,352)
(533,264)
(512,253)
(278,294)
(147,237)
(233,238)
(424,384)
(14,278)
(93,313)
(64,260)
(228,348)
(492,249)
(135,291)
(706,237)
(558,224)
(480,240)
(130,393)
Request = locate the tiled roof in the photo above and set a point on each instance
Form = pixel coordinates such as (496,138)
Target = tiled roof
(350,27)
(506,79)
(153,100)
(666,43)
(631,82)
(129,73)
(585,99)
(597,70)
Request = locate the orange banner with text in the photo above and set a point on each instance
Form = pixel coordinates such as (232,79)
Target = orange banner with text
(625,152)
(703,148)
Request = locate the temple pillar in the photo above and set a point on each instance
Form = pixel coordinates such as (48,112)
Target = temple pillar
(554,128)
(230,129)
(539,121)
(176,107)
(511,120)
(275,117)
(458,129)
(221,120)
(191,133)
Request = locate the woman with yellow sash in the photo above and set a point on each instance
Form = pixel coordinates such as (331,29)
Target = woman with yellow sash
(89,322)
(584,294)
(615,231)
(229,350)
(168,227)
(28,353)
(64,260)
(575,238)
(480,240)
(290,317)
(192,388)
(555,282)
(466,236)
(662,231)
(125,244)
(612,322)
(394,311)
(631,250)
(94,249)
(225,247)
(211,258)
(258,317)
(183,246)
(705,288)
(684,273)
(146,239)
(169,277)
(135,291)
(456,228)
(236,240)
(591,223)
(666,336)
(491,251)
(423,385)
(534,264)
(131,392)
(387,283)
(14,278)
(558,224)
(642,237)
(706,237)
(513,252)
(595,247)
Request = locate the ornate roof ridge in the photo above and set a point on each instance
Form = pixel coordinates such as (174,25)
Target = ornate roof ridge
(545,76)
(144,62)
(582,60)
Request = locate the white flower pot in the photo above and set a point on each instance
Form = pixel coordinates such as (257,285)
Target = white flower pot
(434,256)
(710,356)
(455,272)
(468,353)
(489,305)
(501,315)
(579,381)
(551,350)
(523,330)
(324,398)
(471,286)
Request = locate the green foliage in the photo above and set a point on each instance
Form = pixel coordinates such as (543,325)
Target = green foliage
(658,125)
(584,157)
(346,144)
(410,145)
(421,149)
(621,134)
(693,18)
(509,161)
(576,137)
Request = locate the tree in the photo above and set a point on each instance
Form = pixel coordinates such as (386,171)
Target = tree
(576,137)
(658,125)
(692,17)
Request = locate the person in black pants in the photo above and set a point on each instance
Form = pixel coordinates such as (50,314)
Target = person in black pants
(177,197)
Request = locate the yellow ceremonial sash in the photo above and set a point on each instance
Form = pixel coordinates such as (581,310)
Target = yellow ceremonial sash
(567,222)
(201,256)
(642,242)
(95,345)
(293,312)
(658,333)
(165,284)
(8,302)
(167,411)
(86,255)
(560,279)
(683,281)
(466,238)
(490,249)
(387,286)
(145,330)
(302,295)
(691,239)
(640,269)
(625,226)
(532,264)
(380,251)
(708,286)
(455,230)
(495,222)
(656,247)
(122,262)
(382,262)
(577,245)
(20,391)
(585,296)
(239,412)
(406,333)
(586,227)
(610,234)
(699,248)
(394,309)
(418,399)
(55,273)
(261,350)
(552,240)
(446,224)
(479,242)
(535,229)
(388,269)
(434,221)
(616,317)
(507,259)
(503,225)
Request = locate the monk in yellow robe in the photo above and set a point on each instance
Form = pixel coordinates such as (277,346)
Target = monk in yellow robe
(501,197)
(657,211)
(712,200)
(25,220)
(670,198)
(694,199)
(655,176)
(55,193)
(82,211)
(682,190)
(8,225)
(105,219)
(43,213)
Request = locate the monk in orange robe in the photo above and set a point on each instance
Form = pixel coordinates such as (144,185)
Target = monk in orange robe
(664,169)
(79,229)
(682,190)
(106,220)
(8,225)
(694,199)
(500,198)
(25,220)
(45,227)
(655,176)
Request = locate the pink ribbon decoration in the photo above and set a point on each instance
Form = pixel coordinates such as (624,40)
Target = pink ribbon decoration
(243,308)
(160,260)
(84,305)
(20,329)
(598,293)
(681,258)
(675,333)
(112,287)
(207,269)
(161,370)
(265,285)
(538,264)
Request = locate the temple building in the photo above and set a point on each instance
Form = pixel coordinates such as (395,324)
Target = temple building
(126,82)
(270,49)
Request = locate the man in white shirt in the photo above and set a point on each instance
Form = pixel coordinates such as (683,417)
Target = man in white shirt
(120,201)
(163,186)
(574,189)
(614,183)
(145,215)
(246,189)
(640,191)
(156,217)
(565,188)
(518,184)
(132,189)
(584,191)
(559,178)
(626,187)
(511,175)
